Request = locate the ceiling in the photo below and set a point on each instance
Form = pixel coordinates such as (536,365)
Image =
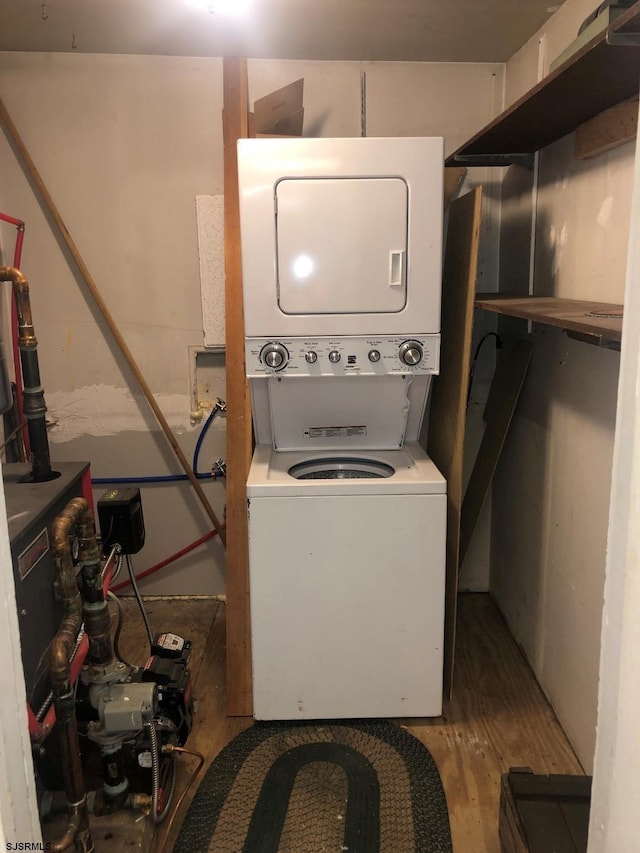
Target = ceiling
(409,30)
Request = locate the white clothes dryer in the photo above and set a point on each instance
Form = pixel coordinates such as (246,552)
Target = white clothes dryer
(347,576)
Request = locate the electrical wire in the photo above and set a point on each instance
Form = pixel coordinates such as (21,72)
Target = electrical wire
(474,362)
(113,553)
(116,637)
(136,592)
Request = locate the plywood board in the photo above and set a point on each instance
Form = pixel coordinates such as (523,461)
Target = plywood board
(280,112)
(599,319)
(239,432)
(448,405)
(511,367)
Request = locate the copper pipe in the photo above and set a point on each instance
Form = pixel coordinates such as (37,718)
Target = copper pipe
(34,406)
(171,748)
(76,514)
(83,842)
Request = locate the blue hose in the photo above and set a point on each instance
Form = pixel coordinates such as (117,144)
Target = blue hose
(160,478)
(203,432)
(167,478)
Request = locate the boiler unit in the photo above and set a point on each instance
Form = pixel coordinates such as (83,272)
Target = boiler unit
(76,682)
(341,251)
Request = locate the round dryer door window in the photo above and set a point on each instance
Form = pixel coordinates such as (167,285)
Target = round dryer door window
(340,469)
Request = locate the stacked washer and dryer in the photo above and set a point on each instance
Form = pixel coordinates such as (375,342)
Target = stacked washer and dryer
(341,253)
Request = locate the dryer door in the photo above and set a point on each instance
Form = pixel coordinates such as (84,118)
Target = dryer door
(342,245)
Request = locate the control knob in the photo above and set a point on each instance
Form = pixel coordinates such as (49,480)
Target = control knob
(311,357)
(274,355)
(334,356)
(411,353)
(374,355)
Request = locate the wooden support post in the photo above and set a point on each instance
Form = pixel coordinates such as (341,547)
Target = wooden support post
(239,436)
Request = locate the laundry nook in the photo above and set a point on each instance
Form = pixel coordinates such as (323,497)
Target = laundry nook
(342,269)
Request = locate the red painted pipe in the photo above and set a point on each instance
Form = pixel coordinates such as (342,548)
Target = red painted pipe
(11,220)
(168,560)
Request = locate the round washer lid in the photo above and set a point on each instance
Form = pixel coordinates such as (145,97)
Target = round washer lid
(342,468)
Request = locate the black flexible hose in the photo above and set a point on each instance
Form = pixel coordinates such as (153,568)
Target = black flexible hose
(116,637)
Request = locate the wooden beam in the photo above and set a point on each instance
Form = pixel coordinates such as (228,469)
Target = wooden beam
(239,436)
(607,130)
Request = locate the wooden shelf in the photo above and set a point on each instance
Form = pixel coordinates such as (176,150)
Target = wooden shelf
(598,323)
(596,77)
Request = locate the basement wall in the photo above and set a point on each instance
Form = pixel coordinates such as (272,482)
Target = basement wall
(125,144)
(552,488)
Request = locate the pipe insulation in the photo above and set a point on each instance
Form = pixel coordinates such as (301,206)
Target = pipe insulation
(25,159)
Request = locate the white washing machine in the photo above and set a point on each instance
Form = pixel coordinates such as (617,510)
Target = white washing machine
(346,556)
(341,250)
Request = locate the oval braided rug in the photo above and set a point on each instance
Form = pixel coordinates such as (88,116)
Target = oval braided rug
(345,787)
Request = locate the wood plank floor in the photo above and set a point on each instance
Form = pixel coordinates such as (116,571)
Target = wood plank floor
(498,717)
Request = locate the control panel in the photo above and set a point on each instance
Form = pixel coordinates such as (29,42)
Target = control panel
(323,356)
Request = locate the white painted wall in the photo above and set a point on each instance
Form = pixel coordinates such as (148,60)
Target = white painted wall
(532,61)
(551,492)
(616,786)
(125,144)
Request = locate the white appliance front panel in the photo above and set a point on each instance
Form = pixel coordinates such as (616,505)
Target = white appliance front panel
(341,245)
(264,410)
(415,163)
(345,356)
(339,412)
(347,606)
